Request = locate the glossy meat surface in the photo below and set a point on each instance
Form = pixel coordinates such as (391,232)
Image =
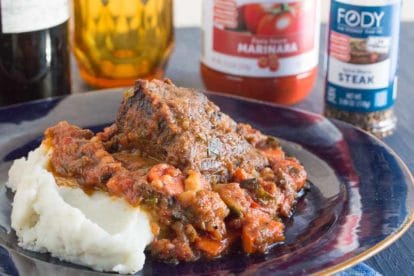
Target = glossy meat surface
(183,128)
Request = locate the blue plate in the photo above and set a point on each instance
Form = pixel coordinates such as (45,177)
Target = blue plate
(359,203)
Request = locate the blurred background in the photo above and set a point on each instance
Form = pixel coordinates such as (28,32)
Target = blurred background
(188,12)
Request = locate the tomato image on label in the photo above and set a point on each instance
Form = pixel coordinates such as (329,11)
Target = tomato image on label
(263,62)
(253,13)
(276,19)
(281,23)
(273,63)
(272,19)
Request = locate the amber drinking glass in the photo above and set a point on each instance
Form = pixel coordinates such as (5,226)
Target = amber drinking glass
(118,41)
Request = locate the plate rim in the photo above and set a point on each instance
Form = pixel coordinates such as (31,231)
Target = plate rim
(380,246)
(370,252)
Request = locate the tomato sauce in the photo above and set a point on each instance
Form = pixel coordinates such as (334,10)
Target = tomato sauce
(191,217)
(267,51)
(228,185)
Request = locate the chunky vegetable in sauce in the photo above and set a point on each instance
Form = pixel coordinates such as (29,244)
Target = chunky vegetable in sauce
(207,182)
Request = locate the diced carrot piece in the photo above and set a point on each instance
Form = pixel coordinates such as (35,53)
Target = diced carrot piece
(260,231)
(273,154)
(118,185)
(240,175)
(166,178)
(210,247)
(248,242)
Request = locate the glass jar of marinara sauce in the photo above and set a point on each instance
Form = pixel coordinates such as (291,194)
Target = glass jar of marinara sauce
(265,49)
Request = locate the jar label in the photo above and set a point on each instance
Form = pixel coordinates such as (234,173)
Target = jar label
(19,16)
(362,56)
(261,38)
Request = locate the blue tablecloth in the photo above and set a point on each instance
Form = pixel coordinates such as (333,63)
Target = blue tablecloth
(359,270)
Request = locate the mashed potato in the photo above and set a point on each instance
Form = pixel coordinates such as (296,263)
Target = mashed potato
(99,231)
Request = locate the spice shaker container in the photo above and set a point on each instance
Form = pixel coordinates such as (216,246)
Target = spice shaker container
(361,63)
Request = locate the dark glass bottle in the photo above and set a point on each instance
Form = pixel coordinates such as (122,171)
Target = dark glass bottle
(33,63)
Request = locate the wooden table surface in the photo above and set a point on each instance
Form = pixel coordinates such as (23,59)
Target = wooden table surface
(183,69)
